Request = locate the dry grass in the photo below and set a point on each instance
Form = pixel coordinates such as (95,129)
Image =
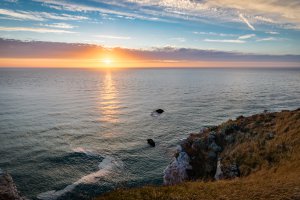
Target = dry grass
(273,165)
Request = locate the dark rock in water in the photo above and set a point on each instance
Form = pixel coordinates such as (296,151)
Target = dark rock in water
(151,142)
(159,111)
(8,189)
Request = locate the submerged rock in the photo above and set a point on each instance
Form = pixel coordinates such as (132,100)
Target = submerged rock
(151,142)
(8,189)
(159,111)
(176,172)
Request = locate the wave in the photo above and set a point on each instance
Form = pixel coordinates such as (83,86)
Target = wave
(85,151)
(106,167)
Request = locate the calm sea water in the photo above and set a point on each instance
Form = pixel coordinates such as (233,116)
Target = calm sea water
(74,133)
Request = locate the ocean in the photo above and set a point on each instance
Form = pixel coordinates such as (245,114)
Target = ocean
(77,133)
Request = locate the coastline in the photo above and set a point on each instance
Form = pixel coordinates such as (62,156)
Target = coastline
(255,157)
(258,154)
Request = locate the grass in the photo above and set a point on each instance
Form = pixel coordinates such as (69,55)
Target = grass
(270,167)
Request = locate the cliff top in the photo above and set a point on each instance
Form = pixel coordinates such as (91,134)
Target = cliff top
(258,157)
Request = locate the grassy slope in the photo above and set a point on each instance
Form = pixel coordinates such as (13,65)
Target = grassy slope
(273,165)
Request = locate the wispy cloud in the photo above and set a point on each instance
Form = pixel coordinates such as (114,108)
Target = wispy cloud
(11,1)
(248,36)
(274,11)
(37,30)
(59,25)
(272,32)
(266,39)
(225,41)
(113,37)
(213,33)
(38,16)
(246,21)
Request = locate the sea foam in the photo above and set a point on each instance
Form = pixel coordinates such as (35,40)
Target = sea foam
(106,167)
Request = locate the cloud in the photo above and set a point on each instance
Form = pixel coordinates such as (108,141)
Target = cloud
(113,37)
(214,34)
(55,50)
(20,15)
(246,21)
(59,25)
(11,1)
(248,36)
(274,12)
(225,41)
(75,7)
(38,16)
(37,30)
(267,39)
(272,32)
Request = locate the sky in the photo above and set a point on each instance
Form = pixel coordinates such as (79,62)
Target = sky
(145,33)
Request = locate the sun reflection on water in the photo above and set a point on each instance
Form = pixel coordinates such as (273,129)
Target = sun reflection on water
(109,103)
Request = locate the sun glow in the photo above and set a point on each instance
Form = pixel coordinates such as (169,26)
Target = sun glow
(107,61)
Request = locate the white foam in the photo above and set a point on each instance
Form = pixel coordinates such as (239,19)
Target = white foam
(85,151)
(105,167)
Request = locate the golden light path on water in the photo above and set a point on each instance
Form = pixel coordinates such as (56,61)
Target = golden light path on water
(109,103)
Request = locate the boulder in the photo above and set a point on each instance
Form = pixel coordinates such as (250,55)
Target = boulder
(8,189)
(151,142)
(214,147)
(229,139)
(176,172)
(159,111)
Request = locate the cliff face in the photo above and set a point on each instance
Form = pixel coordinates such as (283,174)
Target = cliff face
(8,190)
(235,148)
(263,150)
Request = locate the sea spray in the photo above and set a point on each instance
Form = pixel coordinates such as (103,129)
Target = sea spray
(106,167)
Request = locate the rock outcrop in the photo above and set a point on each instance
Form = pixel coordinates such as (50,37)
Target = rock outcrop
(232,149)
(151,142)
(176,172)
(8,190)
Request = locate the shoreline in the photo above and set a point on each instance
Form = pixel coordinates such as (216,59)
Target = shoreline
(238,152)
(232,151)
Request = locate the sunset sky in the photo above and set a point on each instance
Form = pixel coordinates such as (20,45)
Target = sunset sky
(149,33)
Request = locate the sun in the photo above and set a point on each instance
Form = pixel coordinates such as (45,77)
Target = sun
(107,61)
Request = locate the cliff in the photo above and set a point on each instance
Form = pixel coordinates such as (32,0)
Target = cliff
(254,157)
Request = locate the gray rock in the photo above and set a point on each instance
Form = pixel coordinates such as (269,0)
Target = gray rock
(198,144)
(211,137)
(216,148)
(202,130)
(229,139)
(234,171)
(8,189)
(176,172)
(219,173)
(212,155)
